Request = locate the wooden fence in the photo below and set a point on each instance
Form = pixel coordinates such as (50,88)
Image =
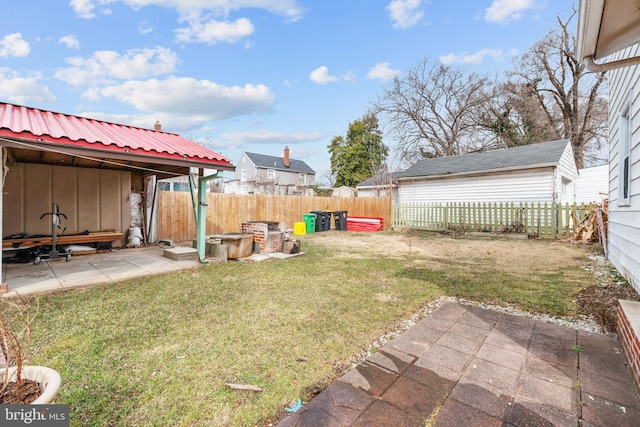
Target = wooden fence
(546,220)
(226,212)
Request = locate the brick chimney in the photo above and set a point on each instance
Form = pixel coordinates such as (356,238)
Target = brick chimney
(286,157)
(157,127)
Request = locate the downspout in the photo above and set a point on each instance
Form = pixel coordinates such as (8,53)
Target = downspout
(192,189)
(201,217)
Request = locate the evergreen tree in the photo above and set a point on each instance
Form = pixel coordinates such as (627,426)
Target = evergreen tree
(359,155)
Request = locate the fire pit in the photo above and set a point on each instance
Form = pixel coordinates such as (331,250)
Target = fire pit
(267,234)
(239,245)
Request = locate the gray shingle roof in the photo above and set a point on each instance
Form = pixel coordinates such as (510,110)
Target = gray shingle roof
(542,154)
(380,179)
(273,162)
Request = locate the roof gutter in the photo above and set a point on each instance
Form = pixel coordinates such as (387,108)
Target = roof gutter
(608,66)
(98,154)
(592,20)
(477,172)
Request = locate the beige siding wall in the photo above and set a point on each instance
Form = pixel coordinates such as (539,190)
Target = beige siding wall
(92,199)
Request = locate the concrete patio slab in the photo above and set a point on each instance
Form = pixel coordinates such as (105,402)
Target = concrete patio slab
(525,372)
(87,270)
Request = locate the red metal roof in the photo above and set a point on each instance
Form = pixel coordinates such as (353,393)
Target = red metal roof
(21,122)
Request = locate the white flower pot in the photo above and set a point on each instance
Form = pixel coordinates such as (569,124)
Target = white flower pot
(49,380)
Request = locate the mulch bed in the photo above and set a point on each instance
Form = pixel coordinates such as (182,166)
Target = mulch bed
(27,393)
(601,302)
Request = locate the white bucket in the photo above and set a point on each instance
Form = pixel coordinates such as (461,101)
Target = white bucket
(135,232)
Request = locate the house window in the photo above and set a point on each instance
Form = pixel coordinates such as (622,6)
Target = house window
(243,175)
(303,177)
(164,186)
(180,186)
(271,174)
(625,156)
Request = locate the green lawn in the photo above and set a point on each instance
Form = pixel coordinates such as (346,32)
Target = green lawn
(158,351)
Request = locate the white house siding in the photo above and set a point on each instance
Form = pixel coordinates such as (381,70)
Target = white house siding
(246,170)
(379,192)
(593,184)
(567,176)
(624,218)
(535,185)
(567,166)
(282,177)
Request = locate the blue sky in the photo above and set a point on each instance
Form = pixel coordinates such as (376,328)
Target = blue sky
(248,75)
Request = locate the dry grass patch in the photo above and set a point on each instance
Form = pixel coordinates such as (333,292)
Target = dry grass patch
(159,351)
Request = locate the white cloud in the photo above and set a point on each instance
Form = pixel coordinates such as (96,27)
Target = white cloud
(214,31)
(405,13)
(382,71)
(448,59)
(83,8)
(477,57)
(14,45)
(321,76)
(287,8)
(144,27)
(200,100)
(106,65)
(170,122)
(502,11)
(70,41)
(237,139)
(23,89)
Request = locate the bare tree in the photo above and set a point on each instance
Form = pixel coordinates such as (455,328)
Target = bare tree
(516,116)
(433,110)
(327,178)
(566,100)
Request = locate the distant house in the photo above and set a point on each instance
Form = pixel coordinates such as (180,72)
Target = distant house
(260,173)
(593,184)
(608,32)
(181,183)
(380,185)
(544,172)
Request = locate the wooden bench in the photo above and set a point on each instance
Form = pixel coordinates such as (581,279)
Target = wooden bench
(77,239)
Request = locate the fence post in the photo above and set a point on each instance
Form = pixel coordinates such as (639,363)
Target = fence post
(445,217)
(567,219)
(554,219)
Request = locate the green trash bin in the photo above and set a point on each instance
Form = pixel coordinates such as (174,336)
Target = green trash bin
(310,221)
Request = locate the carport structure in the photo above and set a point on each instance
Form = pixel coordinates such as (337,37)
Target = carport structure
(90,169)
